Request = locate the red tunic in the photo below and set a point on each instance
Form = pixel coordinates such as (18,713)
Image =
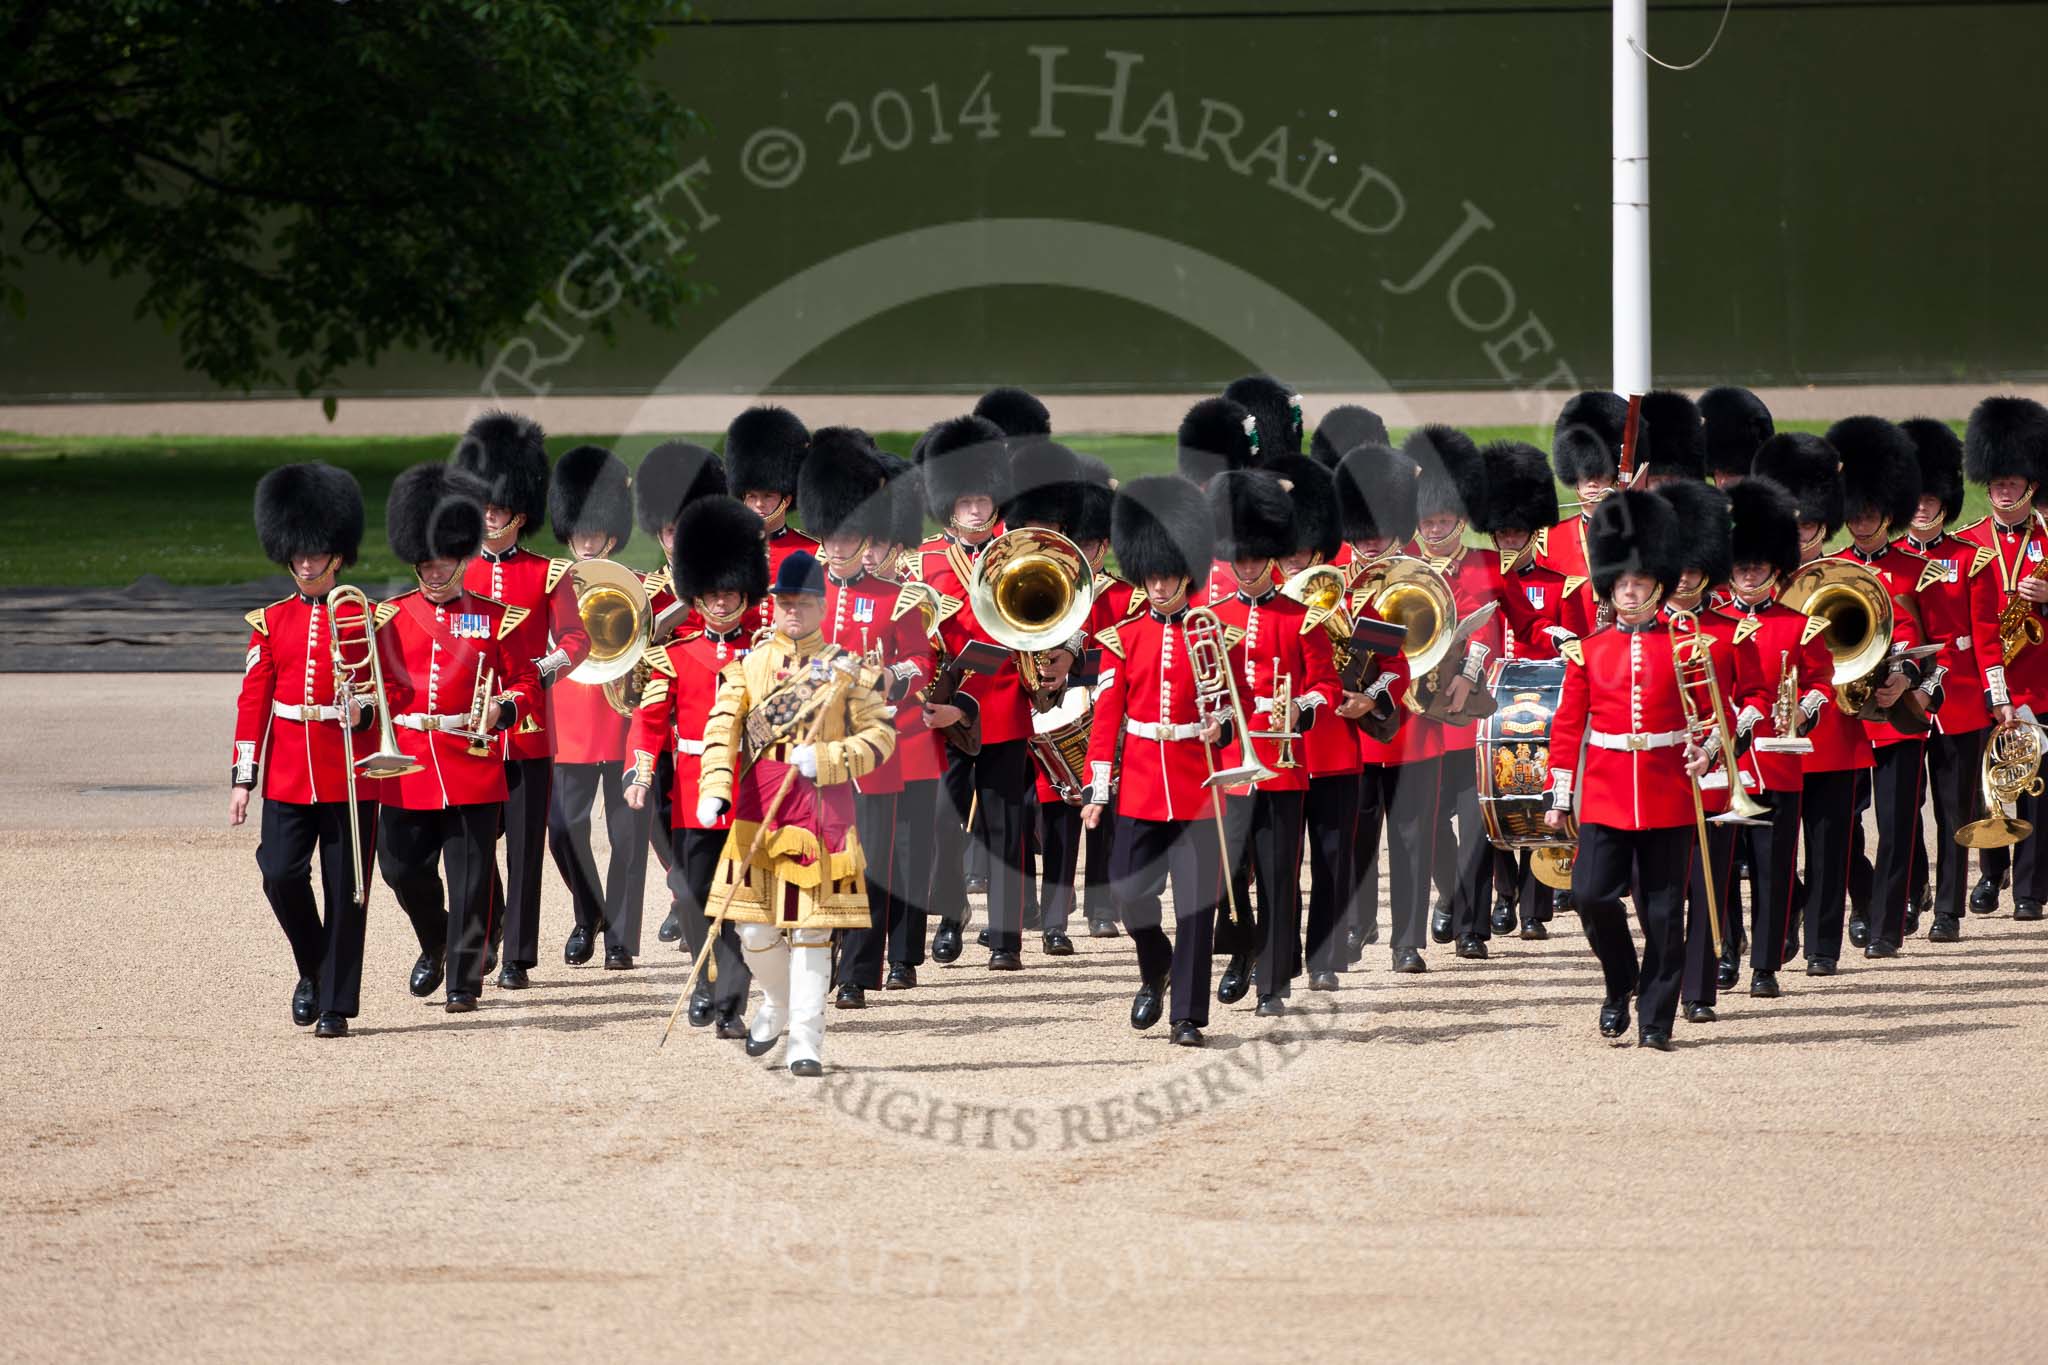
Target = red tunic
(945,564)
(1901,571)
(1475,579)
(680,687)
(1273,647)
(521,578)
(1562,549)
(2015,553)
(1623,683)
(290,662)
(1768,640)
(432,656)
(1161,778)
(1959,602)
(1729,678)
(585,726)
(859,614)
(1416,741)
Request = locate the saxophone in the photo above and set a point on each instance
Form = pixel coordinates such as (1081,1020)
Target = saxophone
(2019,625)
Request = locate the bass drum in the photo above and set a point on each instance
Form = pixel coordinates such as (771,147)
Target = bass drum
(1513,758)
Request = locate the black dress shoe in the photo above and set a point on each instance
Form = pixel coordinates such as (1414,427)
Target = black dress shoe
(730,1026)
(1235,981)
(1148,1002)
(761,1047)
(1440,925)
(1271,1006)
(1881,949)
(617,960)
(902,977)
(1472,946)
(1536,929)
(977,886)
(426,975)
(1409,960)
(807,1067)
(1763,985)
(1058,944)
(460,1002)
(671,928)
(1820,966)
(1613,1018)
(490,958)
(984,939)
(1369,935)
(1859,932)
(513,978)
(1503,917)
(331,1026)
(580,946)
(1728,974)
(946,942)
(1005,961)
(1103,928)
(851,997)
(1185,1034)
(1698,1012)
(1912,922)
(305,1001)
(1984,896)
(1657,1040)
(1322,981)
(700,1003)
(2026,910)
(1947,929)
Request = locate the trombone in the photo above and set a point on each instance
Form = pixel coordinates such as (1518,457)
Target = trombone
(616,615)
(352,676)
(1693,661)
(1216,699)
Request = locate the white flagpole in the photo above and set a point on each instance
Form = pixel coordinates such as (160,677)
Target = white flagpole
(1631,199)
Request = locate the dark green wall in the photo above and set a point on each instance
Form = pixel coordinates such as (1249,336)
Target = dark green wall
(1842,192)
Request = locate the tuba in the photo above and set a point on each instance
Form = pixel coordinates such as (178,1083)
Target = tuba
(361,673)
(1855,616)
(1408,593)
(612,602)
(1032,592)
(2011,769)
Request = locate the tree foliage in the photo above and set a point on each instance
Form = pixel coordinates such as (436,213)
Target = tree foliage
(304,185)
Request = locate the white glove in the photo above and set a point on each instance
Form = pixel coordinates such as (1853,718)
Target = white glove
(805,757)
(709,810)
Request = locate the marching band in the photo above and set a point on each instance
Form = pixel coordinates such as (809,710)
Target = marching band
(1671,694)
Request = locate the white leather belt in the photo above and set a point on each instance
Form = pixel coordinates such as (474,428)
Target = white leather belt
(1600,739)
(419,720)
(287,711)
(690,746)
(1145,729)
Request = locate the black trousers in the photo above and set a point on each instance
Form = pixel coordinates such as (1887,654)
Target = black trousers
(1828,809)
(1268,827)
(1535,902)
(861,951)
(693,863)
(1096,901)
(1407,795)
(515,902)
(1059,843)
(1774,871)
(614,903)
(662,817)
(1143,855)
(1895,788)
(1653,863)
(1365,848)
(1332,875)
(997,784)
(1461,866)
(455,918)
(917,807)
(329,950)
(2029,870)
(1953,763)
(1701,982)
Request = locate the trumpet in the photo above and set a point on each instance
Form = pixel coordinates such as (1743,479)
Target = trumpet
(1785,713)
(362,674)
(1693,661)
(1283,733)
(2011,769)
(479,713)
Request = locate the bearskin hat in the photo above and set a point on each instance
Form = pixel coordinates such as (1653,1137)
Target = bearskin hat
(1586,441)
(1453,474)
(1095,497)
(1520,494)
(1737,423)
(1017,412)
(509,453)
(1313,490)
(1703,527)
(1045,485)
(963,456)
(309,509)
(1275,409)
(671,476)
(1672,439)
(2006,436)
(1879,468)
(1216,434)
(1376,494)
(721,546)
(436,511)
(1344,429)
(839,487)
(1254,515)
(1633,532)
(764,449)
(1808,468)
(906,499)
(1940,452)
(591,492)
(1161,527)
(1765,525)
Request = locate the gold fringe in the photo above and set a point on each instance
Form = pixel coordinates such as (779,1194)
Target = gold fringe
(781,851)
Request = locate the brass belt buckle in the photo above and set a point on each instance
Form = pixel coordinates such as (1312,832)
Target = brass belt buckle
(1638,743)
